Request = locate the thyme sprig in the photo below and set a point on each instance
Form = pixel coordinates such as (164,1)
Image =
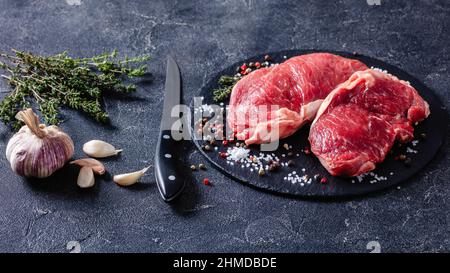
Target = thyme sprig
(60,80)
(226,84)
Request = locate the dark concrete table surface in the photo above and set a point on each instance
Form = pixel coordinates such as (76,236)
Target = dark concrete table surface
(205,37)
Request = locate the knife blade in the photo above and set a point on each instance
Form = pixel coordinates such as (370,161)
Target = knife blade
(170,182)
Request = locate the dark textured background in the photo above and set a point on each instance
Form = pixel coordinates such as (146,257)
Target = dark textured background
(205,37)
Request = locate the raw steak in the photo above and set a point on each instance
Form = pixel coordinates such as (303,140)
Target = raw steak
(359,121)
(291,92)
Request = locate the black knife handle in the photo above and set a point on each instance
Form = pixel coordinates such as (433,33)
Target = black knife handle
(170,182)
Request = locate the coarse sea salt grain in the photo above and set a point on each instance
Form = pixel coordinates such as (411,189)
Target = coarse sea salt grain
(411,151)
(254,162)
(389,74)
(361,177)
(207,108)
(374,177)
(379,70)
(237,153)
(294,178)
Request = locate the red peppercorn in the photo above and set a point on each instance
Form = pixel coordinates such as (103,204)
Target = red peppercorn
(225,142)
(223,154)
(307,150)
(206,181)
(324,180)
(257,64)
(244,67)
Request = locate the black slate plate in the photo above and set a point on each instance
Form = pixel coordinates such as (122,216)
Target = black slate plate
(393,170)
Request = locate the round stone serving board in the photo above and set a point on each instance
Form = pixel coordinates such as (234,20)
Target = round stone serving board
(394,170)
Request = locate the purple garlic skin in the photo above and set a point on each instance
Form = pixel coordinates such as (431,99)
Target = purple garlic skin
(38,151)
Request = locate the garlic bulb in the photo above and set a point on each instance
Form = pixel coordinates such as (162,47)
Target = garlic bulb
(99,149)
(86,178)
(128,179)
(37,150)
(96,166)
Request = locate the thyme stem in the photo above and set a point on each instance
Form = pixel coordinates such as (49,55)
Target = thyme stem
(61,81)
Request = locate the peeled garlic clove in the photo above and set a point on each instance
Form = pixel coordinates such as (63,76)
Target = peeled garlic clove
(96,166)
(128,179)
(86,178)
(99,149)
(37,150)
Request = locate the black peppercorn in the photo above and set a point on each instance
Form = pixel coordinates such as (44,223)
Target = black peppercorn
(423,136)
(274,166)
(408,162)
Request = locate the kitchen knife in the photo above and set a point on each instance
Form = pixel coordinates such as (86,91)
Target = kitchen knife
(170,182)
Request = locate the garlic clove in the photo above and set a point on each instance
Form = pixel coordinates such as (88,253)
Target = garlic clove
(96,166)
(99,149)
(128,179)
(86,178)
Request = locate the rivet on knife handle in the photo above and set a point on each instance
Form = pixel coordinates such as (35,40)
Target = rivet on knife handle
(170,182)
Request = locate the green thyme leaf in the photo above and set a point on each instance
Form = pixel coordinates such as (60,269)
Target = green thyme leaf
(226,84)
(60,80)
